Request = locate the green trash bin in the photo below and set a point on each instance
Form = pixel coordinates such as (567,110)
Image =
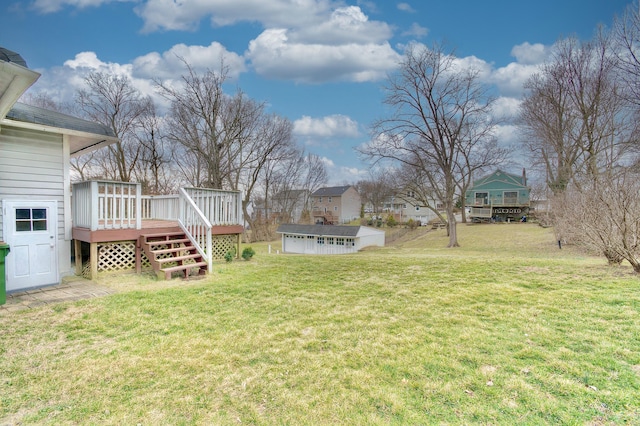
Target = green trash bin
(4,250)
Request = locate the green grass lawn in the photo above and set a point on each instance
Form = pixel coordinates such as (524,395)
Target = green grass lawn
(506,329)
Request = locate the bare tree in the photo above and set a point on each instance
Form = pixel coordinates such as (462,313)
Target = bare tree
(603,217)
(573,117)
(292,183)
(626,34)
(154,171)
(114,102)
(196,122)
(378,188)
(439,110)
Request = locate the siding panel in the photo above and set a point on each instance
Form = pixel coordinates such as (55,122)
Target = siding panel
(31,167)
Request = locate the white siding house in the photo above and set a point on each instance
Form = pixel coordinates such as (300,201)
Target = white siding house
(35,187)
(328,239)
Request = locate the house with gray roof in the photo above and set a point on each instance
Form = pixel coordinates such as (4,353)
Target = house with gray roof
(328,239)
(335,205)
(35,185)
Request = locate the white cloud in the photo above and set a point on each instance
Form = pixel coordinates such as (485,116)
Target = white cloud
(186,15)
(51,6)
(416,30)
(171,63)
(326,127)
(273,55)
(506,108)
(328,162)
(345,25)
(511,78)
(406,7)
(530,54)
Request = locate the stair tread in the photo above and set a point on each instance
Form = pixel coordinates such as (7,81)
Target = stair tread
(163,234)
(157,243)
(183,267)
(172,250)
(177,258)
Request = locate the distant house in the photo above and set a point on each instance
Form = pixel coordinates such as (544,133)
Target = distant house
(335,205)
(405,206)
(35,186)
(288,206)
(499,196)
(328,239)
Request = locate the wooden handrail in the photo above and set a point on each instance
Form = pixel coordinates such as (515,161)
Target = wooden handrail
(196,226)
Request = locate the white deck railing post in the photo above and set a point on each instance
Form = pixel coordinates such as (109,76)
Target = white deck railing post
(93,206)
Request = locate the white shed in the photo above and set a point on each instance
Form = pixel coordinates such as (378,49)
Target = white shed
(328,239)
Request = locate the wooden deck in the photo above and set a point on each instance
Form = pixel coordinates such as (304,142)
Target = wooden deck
(149,226)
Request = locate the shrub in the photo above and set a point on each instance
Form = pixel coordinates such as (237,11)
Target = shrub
(248,253)
(391,222)
(230,255)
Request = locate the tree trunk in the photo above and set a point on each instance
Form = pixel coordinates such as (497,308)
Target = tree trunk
(452,228)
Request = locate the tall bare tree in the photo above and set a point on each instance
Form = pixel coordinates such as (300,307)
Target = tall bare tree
(439,111)
(113,101)
(377,188)
(154,168)
(626,35)
(573,116)
(195,121)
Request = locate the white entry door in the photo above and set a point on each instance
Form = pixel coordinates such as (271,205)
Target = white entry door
(29,227)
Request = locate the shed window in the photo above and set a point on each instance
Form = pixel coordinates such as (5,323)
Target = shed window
(320,240)
(339,241)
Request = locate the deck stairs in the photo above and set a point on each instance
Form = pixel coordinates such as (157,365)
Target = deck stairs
(171,252)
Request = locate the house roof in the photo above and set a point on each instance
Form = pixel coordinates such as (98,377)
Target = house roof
(320,230)
(291,194)
(500,178)
(7,55)
(85,135)
(332,191)
(15,79)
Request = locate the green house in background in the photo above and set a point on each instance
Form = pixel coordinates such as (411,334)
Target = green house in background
(500,196)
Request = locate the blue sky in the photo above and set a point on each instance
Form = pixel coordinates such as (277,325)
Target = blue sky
(320,63)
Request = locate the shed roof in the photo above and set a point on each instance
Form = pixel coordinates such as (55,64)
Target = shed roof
(320,230)
(331,191)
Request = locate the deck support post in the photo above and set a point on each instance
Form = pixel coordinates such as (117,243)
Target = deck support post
(93,258)
(139,255)
(77,244)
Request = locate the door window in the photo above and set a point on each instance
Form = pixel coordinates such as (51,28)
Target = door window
(28,220)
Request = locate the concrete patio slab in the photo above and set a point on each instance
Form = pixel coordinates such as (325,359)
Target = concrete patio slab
(70,289)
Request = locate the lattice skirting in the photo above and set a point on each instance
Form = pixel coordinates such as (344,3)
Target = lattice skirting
(222,244)
(121,255)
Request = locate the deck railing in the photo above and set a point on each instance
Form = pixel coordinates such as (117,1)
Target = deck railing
(99,205)
(160,207)
(499,201)
(220,207)
(106,205)
(196,226)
